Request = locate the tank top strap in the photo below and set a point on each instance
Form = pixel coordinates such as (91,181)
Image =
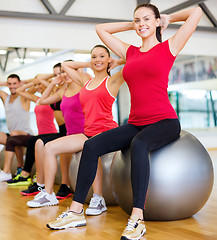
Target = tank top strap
(87,82)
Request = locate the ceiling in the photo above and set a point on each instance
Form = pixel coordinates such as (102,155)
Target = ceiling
(69,11)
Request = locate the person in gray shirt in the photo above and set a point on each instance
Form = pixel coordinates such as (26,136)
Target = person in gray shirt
(17,119)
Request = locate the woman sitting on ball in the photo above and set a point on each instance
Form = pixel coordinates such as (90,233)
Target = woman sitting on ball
(152,123)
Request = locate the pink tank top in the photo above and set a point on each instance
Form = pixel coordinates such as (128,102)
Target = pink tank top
(146,74)
(73,114)
(97,108)
(45,119)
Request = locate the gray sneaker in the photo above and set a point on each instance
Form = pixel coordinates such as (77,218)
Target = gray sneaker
(97,205)
(43,199)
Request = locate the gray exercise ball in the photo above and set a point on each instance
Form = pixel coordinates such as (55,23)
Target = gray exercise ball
(181,180)
(106,165)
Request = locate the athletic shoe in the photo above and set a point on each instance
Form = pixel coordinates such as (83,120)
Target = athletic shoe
(32,190)
(43,199)
(135,229)
(34,179)
(97,205)
(63,192)
(4,177)
(20,181)
(68,219)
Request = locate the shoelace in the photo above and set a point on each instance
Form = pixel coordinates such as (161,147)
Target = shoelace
(63,214)
(94,201)
(131,225)
(40,194)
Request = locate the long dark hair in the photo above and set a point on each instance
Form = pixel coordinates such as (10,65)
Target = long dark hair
(102,46)
(157,15)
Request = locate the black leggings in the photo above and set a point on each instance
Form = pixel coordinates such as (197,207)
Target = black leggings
(141,139)
(30,152)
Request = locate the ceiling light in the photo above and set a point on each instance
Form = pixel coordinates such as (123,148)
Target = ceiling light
(21,60)
(37,54)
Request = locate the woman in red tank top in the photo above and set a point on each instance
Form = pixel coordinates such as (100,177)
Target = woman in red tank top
(152,121)
(96,97)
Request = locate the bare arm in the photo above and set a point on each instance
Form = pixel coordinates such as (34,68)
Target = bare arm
(3,84)
(116,62)
(105,32)
(115,82)
(191,17)
(25,94)
(71,69)
(3,95)
(46,98)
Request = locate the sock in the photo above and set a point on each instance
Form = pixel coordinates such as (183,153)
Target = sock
(40,185)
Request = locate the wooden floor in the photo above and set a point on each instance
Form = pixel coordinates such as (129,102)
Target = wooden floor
(18,222)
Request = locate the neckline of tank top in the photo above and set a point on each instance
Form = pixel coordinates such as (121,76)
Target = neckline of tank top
(71,96)
(150,48)
(9,95)
(105,78)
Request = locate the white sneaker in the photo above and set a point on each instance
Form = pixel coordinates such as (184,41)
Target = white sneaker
(43,199)
(5,176)
(97,205)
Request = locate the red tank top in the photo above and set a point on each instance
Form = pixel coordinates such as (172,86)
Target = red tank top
(45,119)
(146,74)
(97,108)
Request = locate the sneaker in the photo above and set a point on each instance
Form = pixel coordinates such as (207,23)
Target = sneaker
(97,205)
(43,199)
(135,229)
(4,177)
(20,181)
(32,190)
(19,170)
(34,178)
(63,192)
(68,219)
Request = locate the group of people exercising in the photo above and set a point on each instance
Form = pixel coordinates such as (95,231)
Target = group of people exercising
(82,107)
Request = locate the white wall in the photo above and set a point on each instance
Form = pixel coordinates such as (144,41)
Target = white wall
(81,36)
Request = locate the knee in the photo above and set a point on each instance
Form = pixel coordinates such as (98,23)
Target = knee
(139,144)
(14,133)
(49,148)
(90,146)
(39,144)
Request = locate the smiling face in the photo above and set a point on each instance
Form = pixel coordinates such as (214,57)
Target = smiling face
(13,84)
(145,22)
(65,78)
(100,59)
(39,87)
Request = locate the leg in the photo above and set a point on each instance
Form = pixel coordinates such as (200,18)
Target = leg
(30,155)
(19,149)
(97,184)
(53,148)
(8,160)
(39,161)
(103,143)
(65,160)
(12,142)
(3,138)
(19,155)
(150,138)
(95,147)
